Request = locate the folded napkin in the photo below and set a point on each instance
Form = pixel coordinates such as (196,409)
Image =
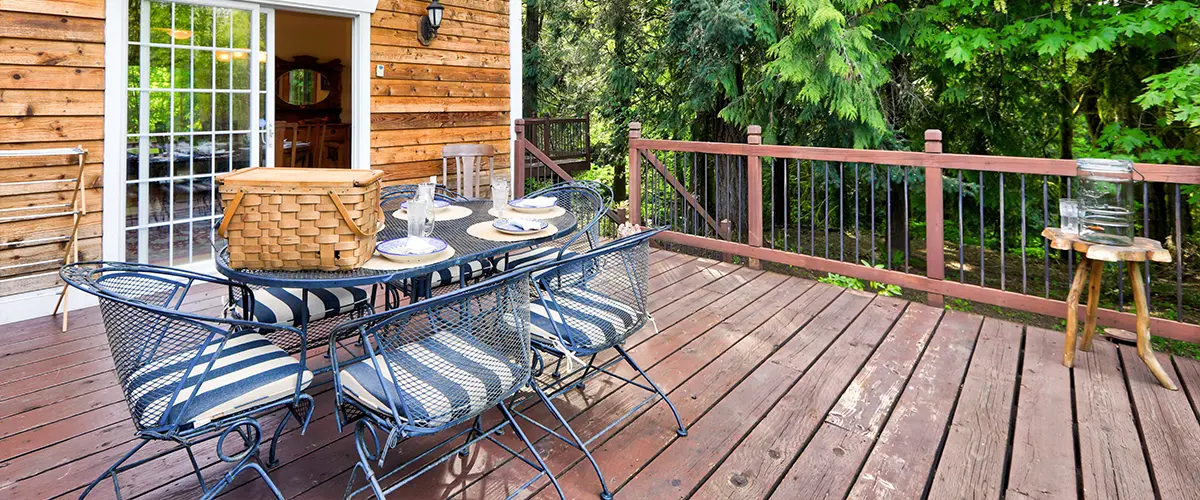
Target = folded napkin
(418,246)
(527,224)
(538,202)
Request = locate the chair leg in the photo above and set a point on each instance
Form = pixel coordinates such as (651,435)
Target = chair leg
(252,436)
(364,459)
(682,431)
(604,493)
(524,439)
(112,471)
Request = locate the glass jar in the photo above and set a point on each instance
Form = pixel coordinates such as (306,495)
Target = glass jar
(1104,189)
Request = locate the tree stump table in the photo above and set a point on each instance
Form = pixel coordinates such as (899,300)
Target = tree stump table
(1093,256)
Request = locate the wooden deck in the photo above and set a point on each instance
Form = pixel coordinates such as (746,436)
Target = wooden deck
(790,389)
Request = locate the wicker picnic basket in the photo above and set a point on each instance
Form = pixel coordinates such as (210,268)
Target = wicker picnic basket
(298,219)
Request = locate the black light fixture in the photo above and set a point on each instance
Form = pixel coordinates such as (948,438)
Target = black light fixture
(429,25)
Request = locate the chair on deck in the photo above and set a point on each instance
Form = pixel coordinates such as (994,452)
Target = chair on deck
(443,280)
(588,202)
(188,377)
(586,305)
(468,161)
(431,366)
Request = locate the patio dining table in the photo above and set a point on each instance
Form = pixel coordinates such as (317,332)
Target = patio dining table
(467,249)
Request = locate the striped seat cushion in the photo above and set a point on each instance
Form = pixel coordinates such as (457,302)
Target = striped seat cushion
(250,371)
(283,306)
(593,320)
(530,258)
(440,379)
(450,276)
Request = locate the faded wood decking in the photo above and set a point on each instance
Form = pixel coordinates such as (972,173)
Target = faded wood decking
(791,389)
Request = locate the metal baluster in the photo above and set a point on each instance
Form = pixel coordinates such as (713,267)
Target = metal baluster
(857,234)
(873,257)
(674,193)
(1071,252)
(962,273)
(841,211)
(1046,223)
(888,238)
(772,204)
(1178,256)
(907,217)
(786,214)
(982,241)
(1024,225)
(1003,273)
(812,206)
(826,210)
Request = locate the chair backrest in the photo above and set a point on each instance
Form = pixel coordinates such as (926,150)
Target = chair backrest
(392,196)
(601,295)
(148,332)
(587,205)
(314,135)
(468,160)
(478,334)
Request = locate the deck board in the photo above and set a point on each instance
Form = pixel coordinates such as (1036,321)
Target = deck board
(790,389)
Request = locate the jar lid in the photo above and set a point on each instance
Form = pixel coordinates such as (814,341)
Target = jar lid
(1103,166)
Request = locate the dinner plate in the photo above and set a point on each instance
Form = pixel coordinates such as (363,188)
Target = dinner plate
(533,205)
(397,250)
(507,226)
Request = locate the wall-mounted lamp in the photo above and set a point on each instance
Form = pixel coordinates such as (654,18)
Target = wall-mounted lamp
(429,24)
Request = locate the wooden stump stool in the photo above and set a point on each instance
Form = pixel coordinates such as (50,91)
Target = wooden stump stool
(1093,256)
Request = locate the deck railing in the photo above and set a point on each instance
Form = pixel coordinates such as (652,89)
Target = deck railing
(564,145)
(851,212)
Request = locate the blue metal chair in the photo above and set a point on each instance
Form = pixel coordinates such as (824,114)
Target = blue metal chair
(188,377)
(588,202)
(588,304)
(431,366)
(442,280)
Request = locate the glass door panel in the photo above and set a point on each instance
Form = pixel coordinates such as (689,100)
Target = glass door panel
(195,111)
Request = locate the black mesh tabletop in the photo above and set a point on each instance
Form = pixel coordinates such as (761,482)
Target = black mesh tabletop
(467,248)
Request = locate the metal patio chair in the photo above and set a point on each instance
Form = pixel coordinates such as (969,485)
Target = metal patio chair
(586,305)
(443,280)
(189,377)
(431,366)
(588,201)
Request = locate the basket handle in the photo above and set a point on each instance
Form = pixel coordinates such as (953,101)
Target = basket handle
(229,212)
(337,202)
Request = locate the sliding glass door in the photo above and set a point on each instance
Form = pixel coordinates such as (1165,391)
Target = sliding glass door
(199,81)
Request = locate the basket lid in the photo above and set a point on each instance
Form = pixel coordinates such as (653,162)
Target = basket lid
(273,176)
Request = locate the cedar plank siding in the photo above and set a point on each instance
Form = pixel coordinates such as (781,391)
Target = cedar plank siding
(51,96)
(455,90)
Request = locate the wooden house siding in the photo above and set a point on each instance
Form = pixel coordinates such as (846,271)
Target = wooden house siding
(51,96)
(455,90)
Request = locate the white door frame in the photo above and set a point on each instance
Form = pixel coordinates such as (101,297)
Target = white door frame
(116,101)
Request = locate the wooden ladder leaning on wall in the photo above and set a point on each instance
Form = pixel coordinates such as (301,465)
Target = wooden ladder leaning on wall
(77,208)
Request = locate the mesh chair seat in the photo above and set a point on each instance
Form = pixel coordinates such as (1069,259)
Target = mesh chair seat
(286,305)
(586,319)
(250,371)
(531,258)
(450,276)
(440,379)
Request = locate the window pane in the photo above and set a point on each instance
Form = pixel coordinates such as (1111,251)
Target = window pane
(182,160)
(202,105)
(221,18)
(183,25)
(179,207)
(183,112)
(160,22)
(183,69)
(241,151)
(135,20)
(132,154)
(181,238)
(202,196)
(131,204)
(221,155)
(262,30)
(202,23)
(160,112)
(158,201)
(135,66)
(158,241)
(135,103)
(131,245)
(160,68)
(201,241)
(242,29)
(221,106)
(202,157)
(202,73)
(241,70)
(223,61)
(241,111)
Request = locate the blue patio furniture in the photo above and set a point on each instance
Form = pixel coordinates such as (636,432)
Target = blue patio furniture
(588,201)
(189,377)
(588,304)
(431,366)
(444,279)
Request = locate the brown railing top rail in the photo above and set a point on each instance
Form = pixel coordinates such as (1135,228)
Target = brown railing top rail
(1176,174)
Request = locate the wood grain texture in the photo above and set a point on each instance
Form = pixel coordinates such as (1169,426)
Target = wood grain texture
(1110,453)
(830,462)
(972,461)
(75,8)
(1043,444)
(29,52)
(1141,250)
(1169,429)
(51,27)
(899,466)
(42,103)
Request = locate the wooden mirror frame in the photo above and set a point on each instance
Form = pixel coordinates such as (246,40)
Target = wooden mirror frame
(330,107)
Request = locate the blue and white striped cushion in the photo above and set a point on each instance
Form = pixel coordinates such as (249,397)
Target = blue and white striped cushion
(283,306)
(593,320)
(250,371)
(441,379)
(449,276)
(530,258)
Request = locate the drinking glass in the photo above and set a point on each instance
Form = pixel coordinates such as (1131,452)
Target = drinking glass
(420,217)
(1068,213)
(499,193)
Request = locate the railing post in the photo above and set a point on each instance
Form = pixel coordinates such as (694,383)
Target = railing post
(546,137)
(587,139)
(635,175)
(935,259)
(724,227)
(518,159)
(754,188)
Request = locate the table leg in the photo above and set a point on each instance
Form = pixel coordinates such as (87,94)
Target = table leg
(1145,350)
(1073,311)
(1089,321)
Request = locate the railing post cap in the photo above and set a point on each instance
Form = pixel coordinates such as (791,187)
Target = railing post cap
(933,134)
(635,125)
(635,130)
(754,130)
(520,121)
